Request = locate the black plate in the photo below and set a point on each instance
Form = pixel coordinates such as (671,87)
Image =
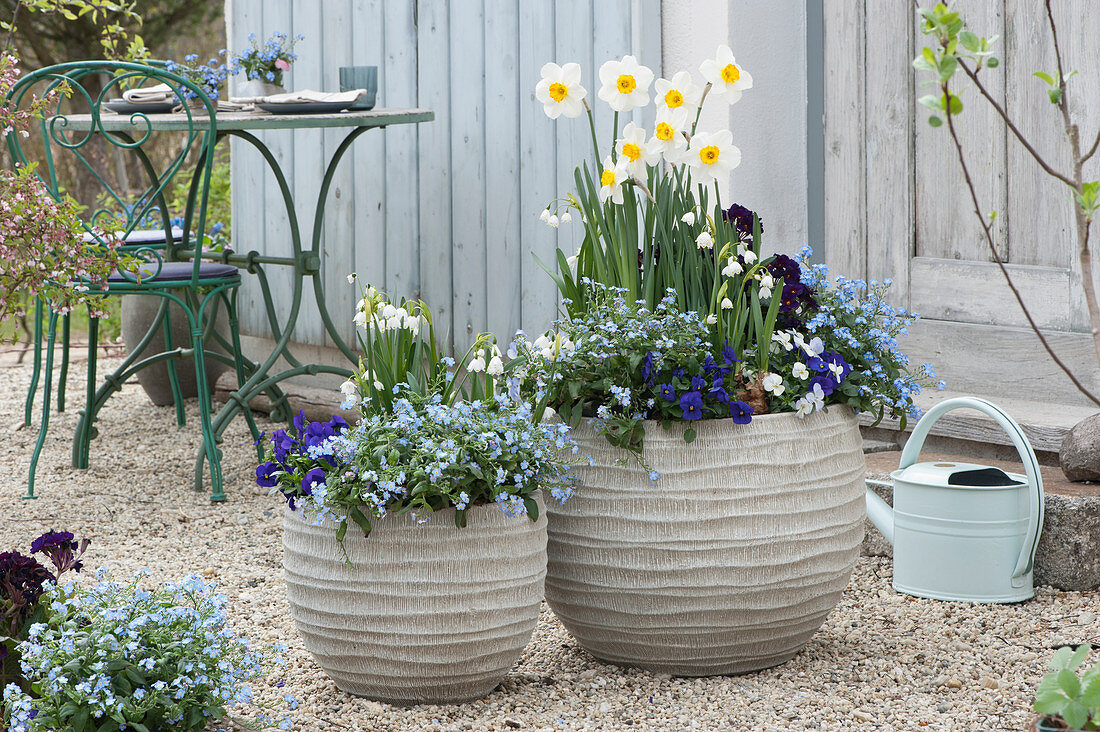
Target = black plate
(305,107)
(121,106)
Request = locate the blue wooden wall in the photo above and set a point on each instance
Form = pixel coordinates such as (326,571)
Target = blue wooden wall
(447,210)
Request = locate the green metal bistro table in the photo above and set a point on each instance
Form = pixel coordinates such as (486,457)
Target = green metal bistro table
(305,261)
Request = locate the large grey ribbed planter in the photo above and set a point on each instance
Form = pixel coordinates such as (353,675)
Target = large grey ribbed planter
(426,613)
(729,563)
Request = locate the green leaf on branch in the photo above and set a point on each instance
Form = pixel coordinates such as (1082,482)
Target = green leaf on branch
(992,62)
(969,41)
(1045,77)
(934,121)
(1055,95)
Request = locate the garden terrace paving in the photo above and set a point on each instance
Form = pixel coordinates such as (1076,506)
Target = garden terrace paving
(882,660)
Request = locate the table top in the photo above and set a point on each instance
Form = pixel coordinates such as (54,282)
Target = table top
(227,121)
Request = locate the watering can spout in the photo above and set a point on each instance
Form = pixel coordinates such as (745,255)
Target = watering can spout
(881,515)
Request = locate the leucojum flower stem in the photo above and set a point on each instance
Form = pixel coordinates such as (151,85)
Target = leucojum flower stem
(958,49)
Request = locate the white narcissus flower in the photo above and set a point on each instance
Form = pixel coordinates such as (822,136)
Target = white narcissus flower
(560,90)
(625,84)
(732,268)
(476,365)
(704,241)
(634,150)
(668,134)
(799,371)
(712,156)
(727,304)
(612,179)
(726,77)
(679,92)
(688,218)
(495,367)
(773,383)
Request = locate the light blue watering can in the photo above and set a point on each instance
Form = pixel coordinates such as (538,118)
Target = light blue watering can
(962,531)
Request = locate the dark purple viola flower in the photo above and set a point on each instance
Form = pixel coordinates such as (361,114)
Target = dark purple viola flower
(698,383)
(785,268)
(719,392)
(668,392)
(259,439)
(791,298)
(22,581)
(62,549)
(312,478)
(337,423)
(691,404)
(284,444)
(300,421)
(729,355)
(741,219)
(289,496)
(265,474)
(740,412)
(817,364)
(647,367)
(709,365)
(678,373)
(316,433)
(826,382)
(832,357)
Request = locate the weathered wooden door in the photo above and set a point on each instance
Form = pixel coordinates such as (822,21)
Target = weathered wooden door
(447,210)
(897,207)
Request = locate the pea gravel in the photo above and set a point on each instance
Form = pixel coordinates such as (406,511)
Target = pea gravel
(882,661)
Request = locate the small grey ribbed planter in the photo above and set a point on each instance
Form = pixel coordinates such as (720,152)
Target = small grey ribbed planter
(730,562)
(426,613)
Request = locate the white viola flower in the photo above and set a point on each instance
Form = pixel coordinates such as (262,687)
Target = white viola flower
(798,338)
(495,367)
(679,92)
(837,371)
(625,84)
(635,151)
(566,217)
(816,397)
(712,156)
(611,180)
(803,407)
(726,77)
(668,134)
(552,222)
(773,383)
(545,215)
(476,365)
(814,347)
(688,218)
(783,338)
(560,90)
(704,241)
(712,319)
(799,371)
(727,304)
(732,268)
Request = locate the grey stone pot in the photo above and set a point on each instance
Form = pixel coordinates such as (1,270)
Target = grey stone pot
(138,313)
(423,614)
(729,563)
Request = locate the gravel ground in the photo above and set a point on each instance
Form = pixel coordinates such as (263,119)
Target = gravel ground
(882,660)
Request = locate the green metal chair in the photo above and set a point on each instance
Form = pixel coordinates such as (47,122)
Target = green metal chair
(194,285)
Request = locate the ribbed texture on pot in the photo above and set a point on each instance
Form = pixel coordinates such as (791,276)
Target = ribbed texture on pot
(730,562)
(426,613)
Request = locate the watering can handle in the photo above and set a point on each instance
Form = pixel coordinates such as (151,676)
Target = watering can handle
(913,447)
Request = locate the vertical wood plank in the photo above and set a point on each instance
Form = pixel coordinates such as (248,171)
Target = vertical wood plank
(503,244)
(538,167)
(309,146)
(845,200)
(945,221)
(368,154)
(398,79)
(278,16)
(434,170)
(645,40)
(467,79)
(573,40)
(339,237)
(889,130)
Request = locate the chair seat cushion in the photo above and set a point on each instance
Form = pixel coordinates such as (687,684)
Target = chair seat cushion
(178,271)
(140,237)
